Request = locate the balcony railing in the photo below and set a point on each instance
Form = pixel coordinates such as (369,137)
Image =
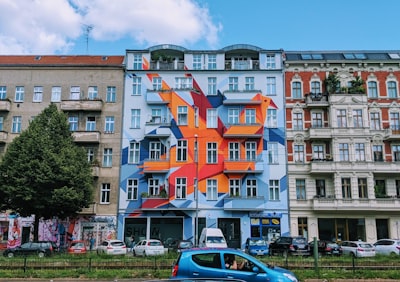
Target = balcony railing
(86,136)
(91,210)
(242,97)
(3,136)
(380,204)
(244,203)
(5,105)
(243,166)
(161,165)
(82,105)
(245,130)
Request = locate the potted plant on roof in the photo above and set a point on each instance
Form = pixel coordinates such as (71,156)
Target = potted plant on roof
(332,83)
(357,85)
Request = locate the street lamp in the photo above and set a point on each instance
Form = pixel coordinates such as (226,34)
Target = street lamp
(196,161)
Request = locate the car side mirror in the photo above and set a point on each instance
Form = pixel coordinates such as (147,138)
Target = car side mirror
(255,269)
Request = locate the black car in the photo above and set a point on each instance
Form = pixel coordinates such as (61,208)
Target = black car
(40,249)
(184,244)
(326,248)
(290,246)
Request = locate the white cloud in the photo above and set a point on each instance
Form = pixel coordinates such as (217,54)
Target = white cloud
(53,26)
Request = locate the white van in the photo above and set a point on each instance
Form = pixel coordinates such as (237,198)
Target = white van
(212,237)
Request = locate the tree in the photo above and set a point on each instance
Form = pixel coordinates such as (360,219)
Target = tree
(44,173)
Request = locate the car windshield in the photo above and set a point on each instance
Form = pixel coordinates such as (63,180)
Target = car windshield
(154,243)
(299,240)
(185,244)
(117,244)
(362,245)
(258,242)
(77,245)
(215,239)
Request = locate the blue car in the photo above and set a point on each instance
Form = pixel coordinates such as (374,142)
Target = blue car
(218,262)
(256,246)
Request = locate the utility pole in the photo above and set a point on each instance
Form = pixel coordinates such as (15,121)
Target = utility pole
(88,29)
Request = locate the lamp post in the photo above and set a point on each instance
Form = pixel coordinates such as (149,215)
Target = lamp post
(196,161)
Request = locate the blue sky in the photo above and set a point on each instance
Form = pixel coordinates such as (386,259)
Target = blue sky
(60,26)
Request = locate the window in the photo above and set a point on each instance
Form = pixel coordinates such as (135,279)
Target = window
(234,151)
(212,152)
(75,93)
(107,157)
(155,116)
(249,83)
(320,187)
(90,123)
(362,188)
(375,121)
(397,184)
(270,61)
(111,94)
(1,123)
(181,151)
(296,90)
(396,153)
(105,193)
(272,120)
(157,83)
(197,61)
(233,83)
(212,86)
(346,188)
(135,118)
(378,153)
(357,118)
(73,123)
(109,124)
(132,186)
(19,94)
(155,150)
(212,118)
(341,118)
(251,151)
(182,115)
(315,87)
(134,152)
(343,152)
(137,61)
(272,148)
(298,153)
(318,152)
(271,86)
(394,121)
(372,89)
(233,115)
(250,116)
(212,62)
(183,83)
(56,94)
(153,186)
(3,92)
(297,121)
(359,151)
(181,183)
(251,188)
(90,154)
(212,191)
(300,189)
(234,187)
(274,190)
(92,92)
(16,124)
(316,120)
(380,188)
(38,94)
(392,89)
(136,85)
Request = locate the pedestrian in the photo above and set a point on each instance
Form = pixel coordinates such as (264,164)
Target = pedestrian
(132,242)
(91,243)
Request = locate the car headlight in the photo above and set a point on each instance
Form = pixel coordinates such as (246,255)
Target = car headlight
(290,277)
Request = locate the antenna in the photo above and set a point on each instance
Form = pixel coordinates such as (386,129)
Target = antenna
(88,29)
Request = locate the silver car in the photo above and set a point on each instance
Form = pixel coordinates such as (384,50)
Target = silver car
(358,249)
(387,247)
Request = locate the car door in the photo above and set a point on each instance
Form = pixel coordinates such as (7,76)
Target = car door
(247,274)
(139,248)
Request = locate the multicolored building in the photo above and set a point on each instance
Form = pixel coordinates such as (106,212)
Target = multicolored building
(203,144)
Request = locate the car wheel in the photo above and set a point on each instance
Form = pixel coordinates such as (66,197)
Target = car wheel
(10,255)
(41,254)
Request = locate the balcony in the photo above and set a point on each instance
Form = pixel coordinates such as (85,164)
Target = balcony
(244,130)
(154,202)
(156,166)
(316,100)
(320,133)
(91,210)
(95,170)
(244,203)
(5,105)
(167,65)
(158,97)
(81,105)
(242,97)
(159,131)
(381,204)
(242,64)
(86,136)
(243,166)
(3,136)
(392,133)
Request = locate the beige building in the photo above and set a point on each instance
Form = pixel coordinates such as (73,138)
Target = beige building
(90,90)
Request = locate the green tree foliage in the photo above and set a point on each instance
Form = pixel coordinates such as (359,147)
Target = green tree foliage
(43,172)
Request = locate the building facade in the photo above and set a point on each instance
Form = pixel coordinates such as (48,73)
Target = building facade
(343,141)
(90,90)
(203,144)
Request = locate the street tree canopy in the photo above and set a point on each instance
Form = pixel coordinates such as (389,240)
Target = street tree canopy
(43,172)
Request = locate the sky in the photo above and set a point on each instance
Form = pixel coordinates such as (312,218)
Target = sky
(104,27)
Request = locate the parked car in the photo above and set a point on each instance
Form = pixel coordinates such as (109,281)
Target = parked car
(77,247)
(289,246)
(326,248)
(387,247)
(40,249)
(171,244)
(256,246)
(112,247)
(358,249)
(151,247)
(184,244)
(210,263)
